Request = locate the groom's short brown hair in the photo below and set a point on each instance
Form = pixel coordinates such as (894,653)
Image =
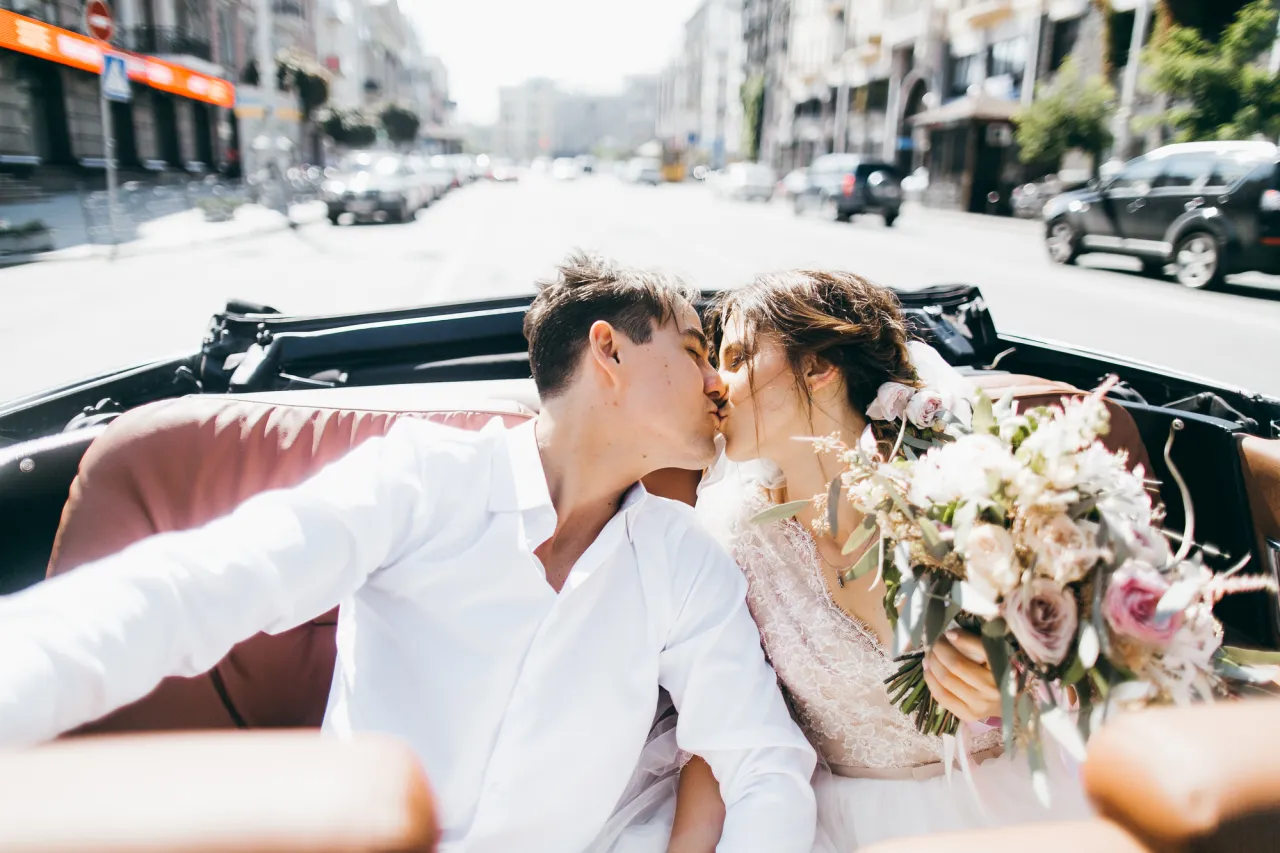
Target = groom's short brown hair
(587,288)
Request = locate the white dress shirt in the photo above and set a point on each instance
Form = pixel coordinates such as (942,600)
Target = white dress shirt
(528,708)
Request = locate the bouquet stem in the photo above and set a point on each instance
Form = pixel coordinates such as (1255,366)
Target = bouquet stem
(907,689)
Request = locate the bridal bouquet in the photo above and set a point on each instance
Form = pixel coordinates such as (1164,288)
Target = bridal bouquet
(1024,527)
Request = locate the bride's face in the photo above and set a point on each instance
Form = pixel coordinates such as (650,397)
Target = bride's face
(765,408)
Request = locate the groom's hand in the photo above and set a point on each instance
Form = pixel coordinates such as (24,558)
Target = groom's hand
(959,678)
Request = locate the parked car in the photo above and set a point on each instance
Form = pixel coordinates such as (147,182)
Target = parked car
(503,170)
(564,169)
(374,185)
(1209,208)
(746,181)
(842,186)
(793,184)
(644,170)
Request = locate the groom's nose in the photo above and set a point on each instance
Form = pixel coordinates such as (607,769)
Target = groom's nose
(714,387)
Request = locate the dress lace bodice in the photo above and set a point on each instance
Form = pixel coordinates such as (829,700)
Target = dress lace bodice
(832,666)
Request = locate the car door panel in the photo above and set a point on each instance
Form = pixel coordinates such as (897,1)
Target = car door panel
(1260,461)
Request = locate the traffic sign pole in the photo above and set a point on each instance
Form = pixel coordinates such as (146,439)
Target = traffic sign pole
(109,148)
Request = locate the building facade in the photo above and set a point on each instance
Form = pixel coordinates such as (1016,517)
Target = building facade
(700,108)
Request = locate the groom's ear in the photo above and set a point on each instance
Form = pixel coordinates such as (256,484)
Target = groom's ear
(604,347)
(819,373)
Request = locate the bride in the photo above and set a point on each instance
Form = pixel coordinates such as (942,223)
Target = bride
(803,354)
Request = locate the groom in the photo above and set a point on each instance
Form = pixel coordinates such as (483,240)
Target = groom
(511,599)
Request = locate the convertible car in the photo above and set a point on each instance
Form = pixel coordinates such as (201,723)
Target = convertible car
(267,398)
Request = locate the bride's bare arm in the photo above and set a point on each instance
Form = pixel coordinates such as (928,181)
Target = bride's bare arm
(699,817)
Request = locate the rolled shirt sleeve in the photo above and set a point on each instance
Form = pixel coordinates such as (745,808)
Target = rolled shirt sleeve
(80,645)
(731,709)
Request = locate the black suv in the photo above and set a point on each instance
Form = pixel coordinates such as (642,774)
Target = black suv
(1209,208)
(844,185)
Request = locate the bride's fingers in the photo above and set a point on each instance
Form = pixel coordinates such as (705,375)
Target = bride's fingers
(969,645)
(945,655)
(948,700)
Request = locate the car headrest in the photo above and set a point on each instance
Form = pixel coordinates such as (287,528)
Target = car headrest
(283,792)
(177,464)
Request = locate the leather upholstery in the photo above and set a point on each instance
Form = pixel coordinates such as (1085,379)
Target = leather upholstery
(281,792)
(1094,836)
(177,464)
(1260,461)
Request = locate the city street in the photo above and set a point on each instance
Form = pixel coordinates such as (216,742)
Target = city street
(62,320)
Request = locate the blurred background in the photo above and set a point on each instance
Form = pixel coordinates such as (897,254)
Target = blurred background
(415,151)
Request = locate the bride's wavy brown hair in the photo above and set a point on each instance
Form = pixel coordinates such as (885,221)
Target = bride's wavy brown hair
(835,317)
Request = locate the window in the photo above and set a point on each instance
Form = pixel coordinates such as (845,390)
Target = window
(1187,170)
(1234,167)
(963,72)
(1138,175)
(1008,58)
(1065,34)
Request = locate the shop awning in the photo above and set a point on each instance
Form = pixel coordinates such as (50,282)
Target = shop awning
(36,38)
(976,107)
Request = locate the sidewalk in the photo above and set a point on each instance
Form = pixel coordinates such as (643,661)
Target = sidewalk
(188,228)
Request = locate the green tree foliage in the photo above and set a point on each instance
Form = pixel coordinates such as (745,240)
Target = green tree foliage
(1071,111)
(349,128)
(1222,90)
(400,123)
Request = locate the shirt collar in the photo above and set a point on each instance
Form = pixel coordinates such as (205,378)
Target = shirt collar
(525,486)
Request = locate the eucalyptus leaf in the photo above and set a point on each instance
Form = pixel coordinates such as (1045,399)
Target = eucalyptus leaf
(997,649)
(1261,657)
(1060,727)
(995,628)
(983,415)
(953,610)
(905,627)
(917,443)
(1088,653)
(1177,599)
(859,536)
(1039,773)
(935,620)
(833,507)
(866,564)
(779,512)
(1075,672)
(932,538)
(1007,696)
(1084,713)
(910,454)
(919,604)
(1099,622)
(1225,668)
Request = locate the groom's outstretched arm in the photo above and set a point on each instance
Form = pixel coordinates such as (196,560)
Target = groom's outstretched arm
(85,643)
(732,713)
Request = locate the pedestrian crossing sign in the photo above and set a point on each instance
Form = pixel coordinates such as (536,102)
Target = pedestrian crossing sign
(115,78)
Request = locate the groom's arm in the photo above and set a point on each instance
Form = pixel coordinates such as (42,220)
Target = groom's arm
(732,713)
(80,645)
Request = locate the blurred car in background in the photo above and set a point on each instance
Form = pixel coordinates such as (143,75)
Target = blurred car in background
(503,170)
(793,184)
(841,186)
(1029,199)
(586,163)
(374,185)
(915,184)
(1210,209)
(644,170)
(746,182)
(564,169)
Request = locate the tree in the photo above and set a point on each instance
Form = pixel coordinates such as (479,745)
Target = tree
(752,94)
(1219,91)
(400,123)
(349,128)
(1071,111)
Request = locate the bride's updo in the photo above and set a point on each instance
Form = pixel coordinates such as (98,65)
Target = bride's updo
(837,317)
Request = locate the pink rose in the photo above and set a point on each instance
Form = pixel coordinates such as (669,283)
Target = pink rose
(1130,605)
(925,407)
(1043,617)
(890,402)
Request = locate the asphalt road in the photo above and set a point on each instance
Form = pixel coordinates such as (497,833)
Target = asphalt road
(66,319)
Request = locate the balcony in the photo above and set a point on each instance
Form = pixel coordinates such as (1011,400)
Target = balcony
(984,14)
(173,41)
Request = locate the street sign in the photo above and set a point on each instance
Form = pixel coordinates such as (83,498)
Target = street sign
(115,78)
(98,21)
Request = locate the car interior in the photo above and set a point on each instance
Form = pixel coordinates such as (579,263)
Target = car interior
(95,466)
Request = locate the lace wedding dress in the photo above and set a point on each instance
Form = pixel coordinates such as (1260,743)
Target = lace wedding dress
(878,776)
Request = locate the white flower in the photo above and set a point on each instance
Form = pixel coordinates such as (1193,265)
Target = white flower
(971,468)
(924,408)
(989,561)
(890,402)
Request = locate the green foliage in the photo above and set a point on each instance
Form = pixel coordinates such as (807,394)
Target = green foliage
(351,128)
(1219,91)
(752,94)
(1069,112)
(400,123)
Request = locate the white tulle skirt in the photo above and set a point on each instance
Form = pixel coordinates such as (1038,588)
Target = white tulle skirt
(854,813)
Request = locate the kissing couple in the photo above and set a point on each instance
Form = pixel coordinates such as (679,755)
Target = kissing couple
(579,663)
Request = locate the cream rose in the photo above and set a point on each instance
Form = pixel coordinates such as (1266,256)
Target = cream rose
(925,407)
(989,561)
(1065,552)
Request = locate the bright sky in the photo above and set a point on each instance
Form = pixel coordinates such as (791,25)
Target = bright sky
(587,45)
